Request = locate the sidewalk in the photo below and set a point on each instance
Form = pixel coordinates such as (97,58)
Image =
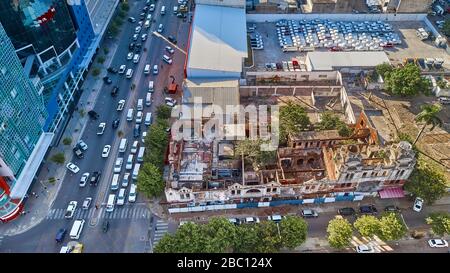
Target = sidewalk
(37,206)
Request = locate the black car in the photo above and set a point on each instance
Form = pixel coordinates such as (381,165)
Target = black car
(137,130)
(78,152)
(368,209)
(131,46)
(107,80)
(138,45)
(392,208)
(93,115)
(60,235)
(105,226)
(145,9)
(172,39)
(346,211)
(114,91)
(112,70)
(142,15)
(115,123)
(95,178)
(131,19)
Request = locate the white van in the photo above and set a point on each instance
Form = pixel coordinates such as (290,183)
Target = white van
(123,145)
(150,85)
(139,117)
(129,73)
(167,59)
(111,202)
(136,58)
(76,230)
(129,164)
(140,104)
(175,10)
(118,165)
(147,69)
(115,182)
(148,119)
(140,156)
(148,99)
(163,10)
(147,23)
(121,197)
(130,114)
(137,166)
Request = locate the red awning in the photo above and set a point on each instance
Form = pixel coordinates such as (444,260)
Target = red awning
(391,193)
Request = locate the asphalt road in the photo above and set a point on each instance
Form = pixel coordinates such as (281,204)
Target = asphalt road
(129,224)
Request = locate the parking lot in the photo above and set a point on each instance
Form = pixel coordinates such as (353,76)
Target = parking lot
(411,46)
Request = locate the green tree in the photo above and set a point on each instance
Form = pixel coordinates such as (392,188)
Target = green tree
(293,231)
(113,29)
(427,182)
(67,141)
(391,227)
(428,115)
(250,150)
(406,81)
(95,71)
(247,238)
(106,50)
(328,121)
(124,6)
(122,14)
(367,225)
(58,158)
(339,233)
(293,119)
(344,130)
(446,27)
(383,69)
(269,238)
(150,181)
(101,59)
(120,133)
(220,234)
(167,244)
(440,223)
(163,111)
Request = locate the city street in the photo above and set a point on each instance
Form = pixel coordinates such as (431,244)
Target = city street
(129,224)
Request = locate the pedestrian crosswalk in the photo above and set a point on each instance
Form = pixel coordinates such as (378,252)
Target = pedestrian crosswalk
(124,212)
(377,244)
(161,229)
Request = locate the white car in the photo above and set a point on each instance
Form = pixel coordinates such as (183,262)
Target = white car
(438,243)
(418,204)
(87,202)
(170,102)
(122,68)
(134,147)
(152,7)
(155,69)
(84,179)
(160,28)
(365,249)
(137,29)
(170,50)
(120,105)
(144,135)
(72,167)
(132,194)
(125,179)
(139,115)
(70,209)
(130,56)
(82,145)
(101,128)
(144,36)
(105,152)
(118,165)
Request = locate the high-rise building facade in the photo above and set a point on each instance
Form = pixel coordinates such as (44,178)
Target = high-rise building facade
(22,117)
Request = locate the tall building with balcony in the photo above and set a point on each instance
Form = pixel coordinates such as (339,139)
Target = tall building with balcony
(22,139)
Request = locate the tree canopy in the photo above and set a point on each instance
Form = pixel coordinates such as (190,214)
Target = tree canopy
(426,182)
(428,115)
(293,231)
(367,225)
(251,150)
(293,119)
(440,223)
(330,121)
(339,233)
(392,227)
(150,181)
(406,81)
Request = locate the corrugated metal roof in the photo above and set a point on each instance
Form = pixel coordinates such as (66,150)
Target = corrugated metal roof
(219,40)
(331,60)
(212,91)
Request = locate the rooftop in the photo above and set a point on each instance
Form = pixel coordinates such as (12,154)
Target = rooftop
(332,60)
(219,33)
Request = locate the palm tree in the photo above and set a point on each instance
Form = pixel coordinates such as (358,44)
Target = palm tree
(429,116)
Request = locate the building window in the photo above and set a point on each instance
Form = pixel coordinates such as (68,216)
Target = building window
(4,70)
(238,191)
(364,174)
(322,76)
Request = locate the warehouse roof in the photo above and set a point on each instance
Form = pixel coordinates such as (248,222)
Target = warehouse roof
(222,92)
(333,60)
(218,40)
